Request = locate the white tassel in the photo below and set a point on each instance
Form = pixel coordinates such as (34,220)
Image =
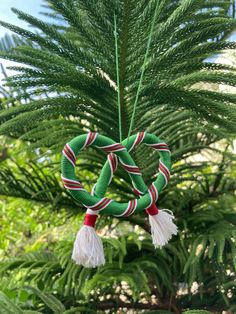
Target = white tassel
(88,249)
(162,227)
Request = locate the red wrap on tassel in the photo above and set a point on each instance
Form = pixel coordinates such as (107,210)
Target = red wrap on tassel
(90,220)
(152,210)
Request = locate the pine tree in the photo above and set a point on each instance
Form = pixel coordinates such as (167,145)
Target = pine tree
(68,78)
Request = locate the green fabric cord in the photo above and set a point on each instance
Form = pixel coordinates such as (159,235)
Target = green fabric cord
(72,149)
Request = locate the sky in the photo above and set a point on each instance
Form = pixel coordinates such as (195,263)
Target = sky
(6,15)
(32,7)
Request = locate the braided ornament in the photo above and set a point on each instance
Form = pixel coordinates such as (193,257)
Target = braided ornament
(88,250)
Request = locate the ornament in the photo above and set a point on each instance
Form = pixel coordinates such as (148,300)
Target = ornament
(88,249)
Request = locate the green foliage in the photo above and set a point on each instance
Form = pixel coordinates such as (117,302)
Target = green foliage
(196,312)
(48,303)
(65,86)
(77,65)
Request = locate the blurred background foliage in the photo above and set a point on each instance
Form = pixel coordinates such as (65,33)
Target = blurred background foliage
(65,87)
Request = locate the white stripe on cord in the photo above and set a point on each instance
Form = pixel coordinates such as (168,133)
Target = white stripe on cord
(156,144)
(163,173)
(90,211)
(135,205)
(151,202)
(134,144)
(112,145)
(71,150)
(95,136)
(99,203)
(164,166)
(134,167)
(127,209)
(74,188)
(73,181)
(68,158)
(156,192)
(164,176)
(110,164)
(87,139)
(141,193)
(124,211)
(93,190)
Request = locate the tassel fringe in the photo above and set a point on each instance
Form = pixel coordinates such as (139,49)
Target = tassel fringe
(162,227)
(88,249)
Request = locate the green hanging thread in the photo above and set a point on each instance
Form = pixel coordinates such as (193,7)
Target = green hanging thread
(142,72)
(117,78)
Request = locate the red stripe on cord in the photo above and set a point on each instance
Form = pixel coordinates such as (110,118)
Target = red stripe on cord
(154,192)
(134,206)
(70,181)
(164,167)
(91,138)
(90,220)
(90,134)
(70,150)
(152,209)
(68,153)
(131,208)
(113,162)
(102,205)
(68,156)
(165,170)
(136,192)
(140,138)
(164,174)
(97,206)
(131,169)
(107,201)
(74,187)
(110,165)
(72,184)
(113,148)
(160,145)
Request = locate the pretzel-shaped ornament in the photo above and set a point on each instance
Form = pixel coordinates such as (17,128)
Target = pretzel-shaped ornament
(88,250)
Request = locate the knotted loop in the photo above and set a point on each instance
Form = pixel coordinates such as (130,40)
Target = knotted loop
(116,152)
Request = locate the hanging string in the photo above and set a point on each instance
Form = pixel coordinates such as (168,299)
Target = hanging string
(117,77)
(142,72)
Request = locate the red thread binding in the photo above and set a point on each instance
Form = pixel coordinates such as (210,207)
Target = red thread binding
(90,220)
(152,210)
